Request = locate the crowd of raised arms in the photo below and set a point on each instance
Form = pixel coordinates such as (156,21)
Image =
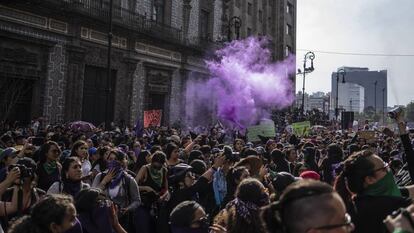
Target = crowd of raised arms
(54,179)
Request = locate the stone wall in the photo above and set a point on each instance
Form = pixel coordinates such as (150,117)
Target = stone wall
(144,7)
(177,14)
(176,97)
(137,93)
(217,24)
(55,84)
(74,81)
(97,56)
(194,20)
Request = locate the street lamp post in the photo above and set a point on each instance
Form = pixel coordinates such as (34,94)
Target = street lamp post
(343,73)
(375,96)
(108,74)
(236,22)
(311,56)
(383,106)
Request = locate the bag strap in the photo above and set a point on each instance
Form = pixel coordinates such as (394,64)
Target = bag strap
(125,185)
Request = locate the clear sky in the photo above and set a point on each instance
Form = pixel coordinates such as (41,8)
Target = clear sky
(358,26)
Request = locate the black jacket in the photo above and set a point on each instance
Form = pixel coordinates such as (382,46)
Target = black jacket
(370,211)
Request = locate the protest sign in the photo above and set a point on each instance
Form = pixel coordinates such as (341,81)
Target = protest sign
(367,134)
(152,118)
(266,130)
(301,128)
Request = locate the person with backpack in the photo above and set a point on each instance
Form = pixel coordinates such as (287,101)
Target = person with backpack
(121,188)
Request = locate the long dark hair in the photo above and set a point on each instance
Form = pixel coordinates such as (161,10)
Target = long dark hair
(44,149)
(249,191)
(309,156)
(351,179)
(66,165)
(51,209)
(183,214)
(76,146)
(101,161)
(335,156)
(278,157)
(141,160)
(86,199)
(169,149)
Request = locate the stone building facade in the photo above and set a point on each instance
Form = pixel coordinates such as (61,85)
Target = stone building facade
(57,49)
(275,19)
(53,54)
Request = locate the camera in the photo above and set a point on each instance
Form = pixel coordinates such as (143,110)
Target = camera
(24,171)
(395,112)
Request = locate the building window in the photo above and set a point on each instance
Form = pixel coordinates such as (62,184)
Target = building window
(249,8)
(288,50)
(249,31)
(124,7)
(260,16)
(158,11)
(204,23)
(288,29)
(289,8)
(238,3)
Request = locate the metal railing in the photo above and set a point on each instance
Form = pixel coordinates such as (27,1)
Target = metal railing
(126,18)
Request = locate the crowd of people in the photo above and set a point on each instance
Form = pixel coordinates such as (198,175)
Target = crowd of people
(54,179)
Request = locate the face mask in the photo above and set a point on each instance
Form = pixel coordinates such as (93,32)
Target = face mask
(114,165)
(384,187)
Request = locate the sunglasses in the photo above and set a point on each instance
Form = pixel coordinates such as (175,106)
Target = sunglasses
(347,223)
(104,203)
(202,220)
(384,168)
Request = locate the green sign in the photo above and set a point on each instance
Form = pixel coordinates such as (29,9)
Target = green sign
(301,128)
(265,130)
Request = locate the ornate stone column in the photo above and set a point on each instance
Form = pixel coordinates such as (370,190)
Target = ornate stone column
(186,18)
(136,78)
(176,97)
(74,83)
(54,100)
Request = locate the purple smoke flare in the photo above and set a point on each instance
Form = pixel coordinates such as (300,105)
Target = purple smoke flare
(244,84)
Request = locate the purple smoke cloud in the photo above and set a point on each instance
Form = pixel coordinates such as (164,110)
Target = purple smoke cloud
(244,83)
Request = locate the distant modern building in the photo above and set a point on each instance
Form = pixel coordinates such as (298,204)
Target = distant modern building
(298,100)
(351,97)
(317,100)
(374,84)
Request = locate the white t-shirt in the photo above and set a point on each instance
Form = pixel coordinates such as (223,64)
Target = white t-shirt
(86,167)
